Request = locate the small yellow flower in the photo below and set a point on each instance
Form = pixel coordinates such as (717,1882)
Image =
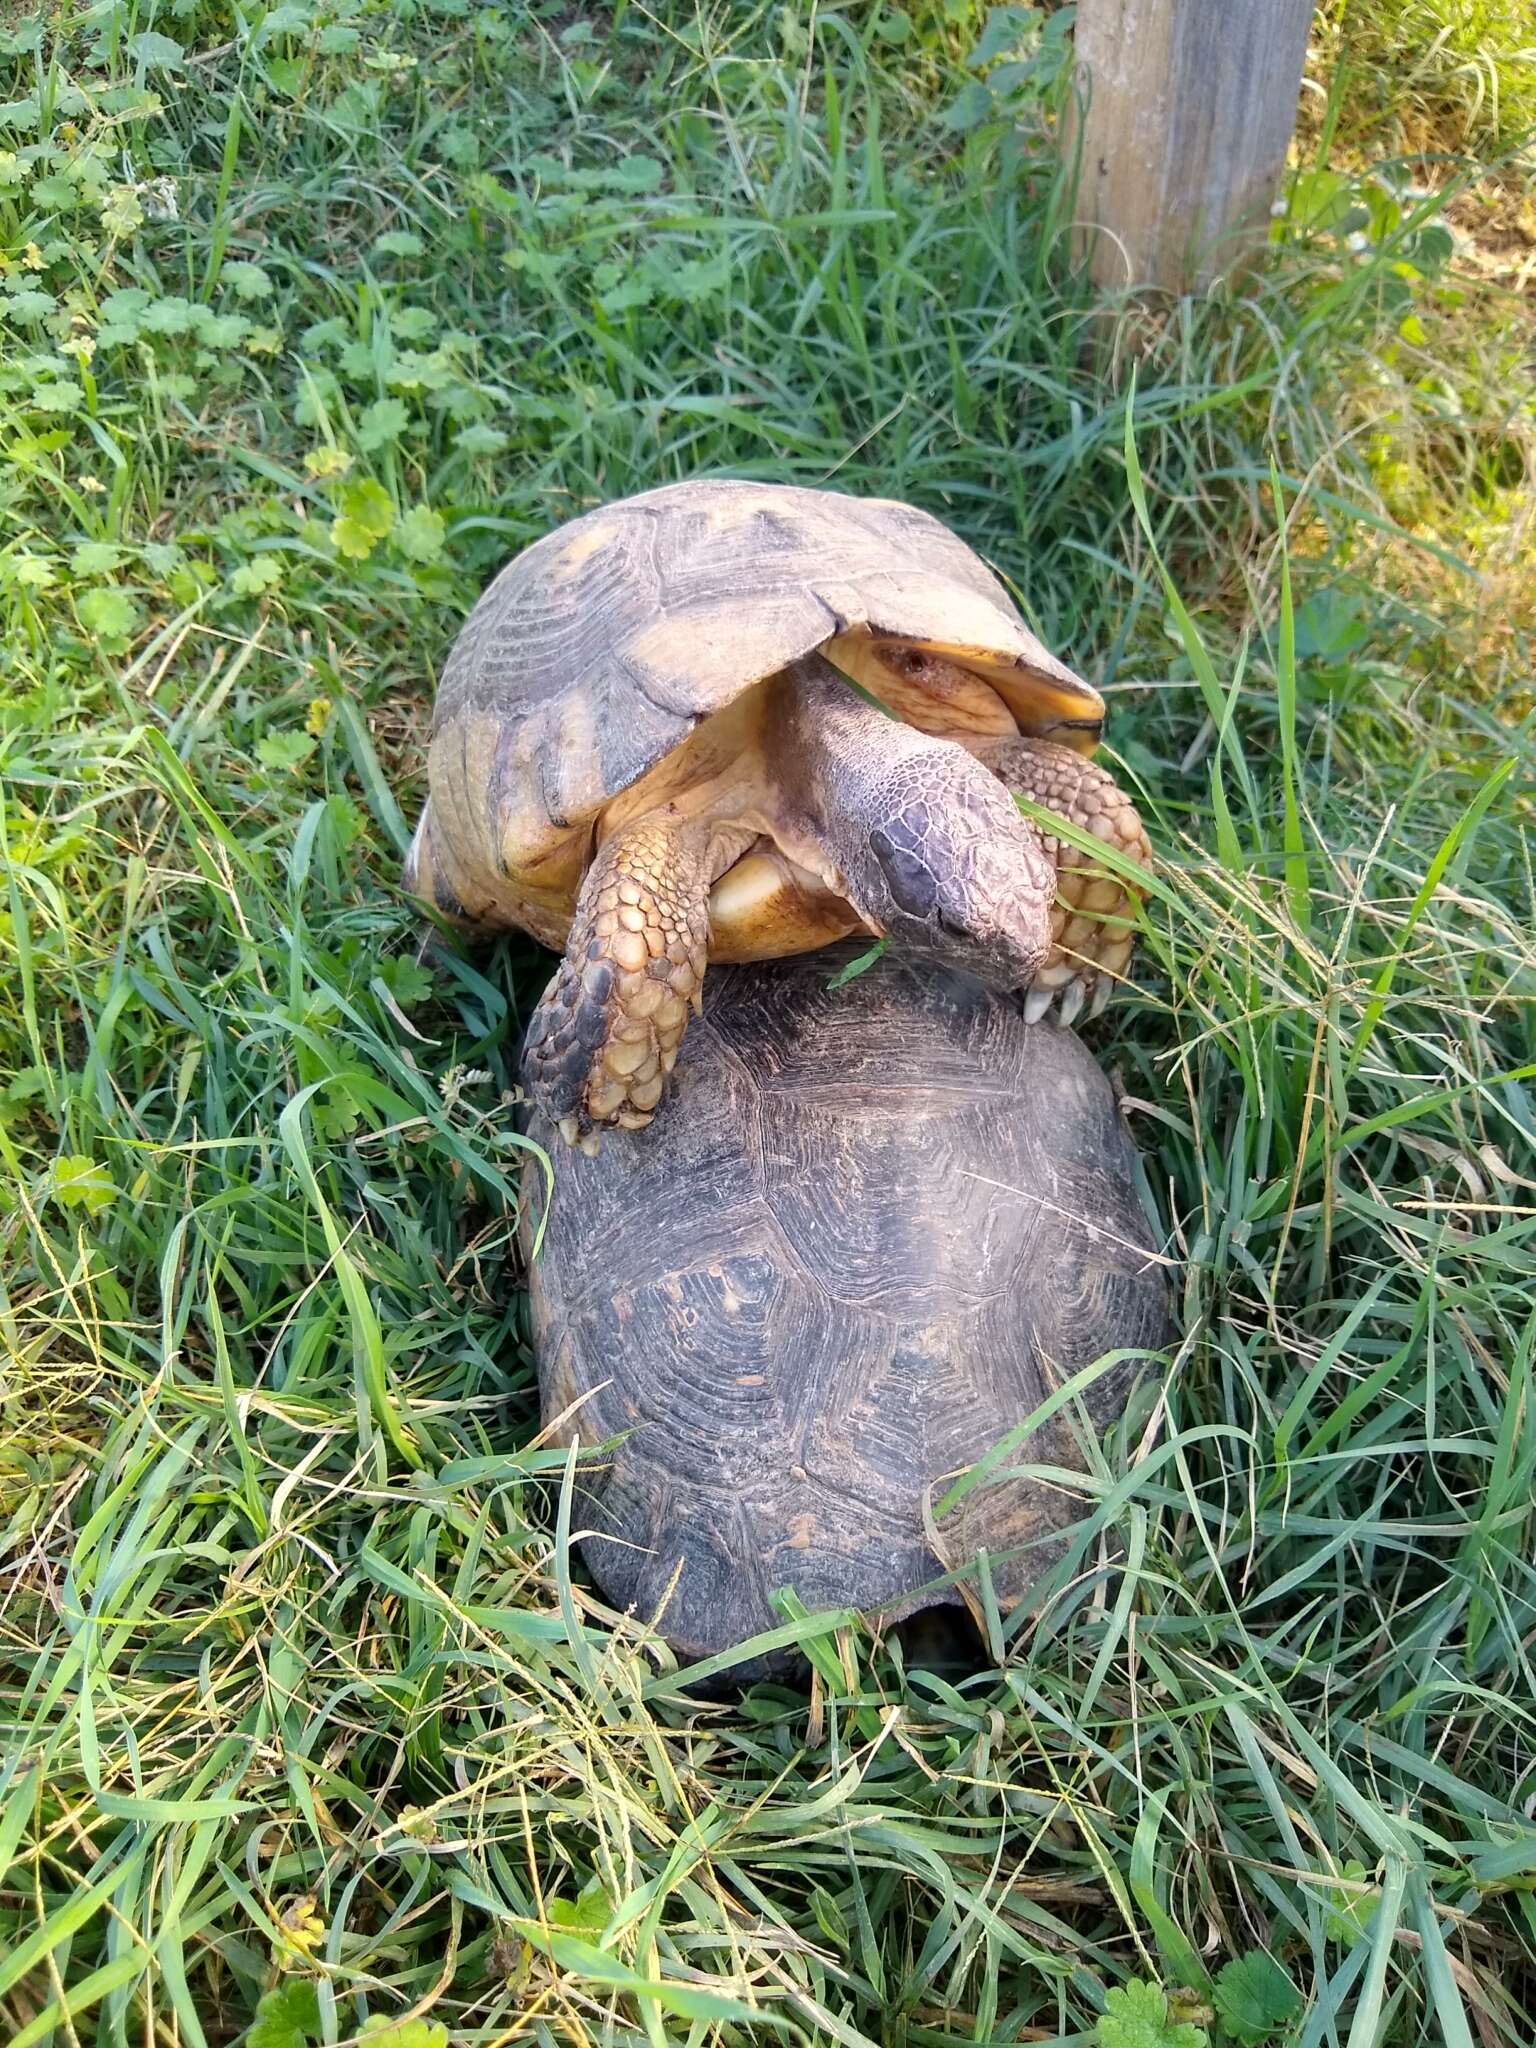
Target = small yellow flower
(317,719)
(80,346)
(327,461)
(421,1827)
(33,257)
(89,483)
(300,1927)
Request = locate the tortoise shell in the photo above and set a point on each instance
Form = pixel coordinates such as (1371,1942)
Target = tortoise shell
(601,647)
(885,1221)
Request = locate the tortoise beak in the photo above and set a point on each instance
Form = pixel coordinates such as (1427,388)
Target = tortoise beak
(1083,734)
(1047,699)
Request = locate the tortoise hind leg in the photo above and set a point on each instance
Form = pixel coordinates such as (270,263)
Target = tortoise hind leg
(607,1032)
(1091,939)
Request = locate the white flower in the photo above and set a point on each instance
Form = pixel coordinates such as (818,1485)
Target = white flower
(158,198)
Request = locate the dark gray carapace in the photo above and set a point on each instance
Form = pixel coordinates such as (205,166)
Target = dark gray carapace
(879,1224)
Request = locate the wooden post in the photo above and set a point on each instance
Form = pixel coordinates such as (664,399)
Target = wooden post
(1191,105)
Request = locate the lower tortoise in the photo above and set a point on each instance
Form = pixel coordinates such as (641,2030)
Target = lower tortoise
(729,721)
(884,1222)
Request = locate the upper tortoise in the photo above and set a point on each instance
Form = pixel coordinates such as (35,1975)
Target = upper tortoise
(646,751)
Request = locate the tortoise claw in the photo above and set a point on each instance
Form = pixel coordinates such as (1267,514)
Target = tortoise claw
(1036,1003)
(570,1130)
(1101,997)
(1073,996)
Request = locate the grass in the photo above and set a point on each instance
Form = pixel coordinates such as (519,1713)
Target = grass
(311,315)
(1463,71)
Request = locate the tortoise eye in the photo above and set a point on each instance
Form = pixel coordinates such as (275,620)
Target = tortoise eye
(908,661)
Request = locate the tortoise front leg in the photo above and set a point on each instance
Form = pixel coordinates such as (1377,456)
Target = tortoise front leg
(913,831)
(607,1032)
(1091,939)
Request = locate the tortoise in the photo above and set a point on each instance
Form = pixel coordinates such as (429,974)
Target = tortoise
(881,1223)
(733,721)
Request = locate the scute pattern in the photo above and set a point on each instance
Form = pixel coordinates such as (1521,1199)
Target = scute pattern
(840,1184)
(598,648)
(884,1221)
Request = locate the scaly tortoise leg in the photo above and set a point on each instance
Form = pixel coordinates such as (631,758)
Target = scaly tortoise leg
(911,829)
(1091,939)
(606,1034)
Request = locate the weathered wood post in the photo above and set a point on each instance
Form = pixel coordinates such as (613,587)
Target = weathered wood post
(1191,105)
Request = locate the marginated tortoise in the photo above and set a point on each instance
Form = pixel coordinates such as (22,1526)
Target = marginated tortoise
(733,721)
(881,1223)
